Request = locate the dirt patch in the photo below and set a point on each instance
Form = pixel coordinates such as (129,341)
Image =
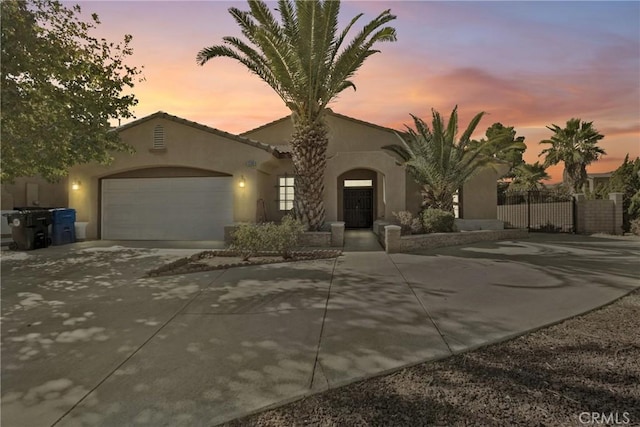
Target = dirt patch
(221,259)
(584,371)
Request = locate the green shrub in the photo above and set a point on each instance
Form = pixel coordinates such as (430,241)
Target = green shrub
(249,239)
(635,226)
(634,207)
(437,221)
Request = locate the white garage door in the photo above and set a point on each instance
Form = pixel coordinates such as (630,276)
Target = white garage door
(166,208)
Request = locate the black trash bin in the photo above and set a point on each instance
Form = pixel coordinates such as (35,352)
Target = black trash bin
(29,229)
(63,229)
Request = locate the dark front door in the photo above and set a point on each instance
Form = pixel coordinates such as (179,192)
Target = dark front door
(358,207)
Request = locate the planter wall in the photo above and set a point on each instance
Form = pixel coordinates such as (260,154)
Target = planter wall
(599,216)
(395,243)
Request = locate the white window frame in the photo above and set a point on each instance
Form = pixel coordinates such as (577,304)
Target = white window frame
(358,183)
(286,192)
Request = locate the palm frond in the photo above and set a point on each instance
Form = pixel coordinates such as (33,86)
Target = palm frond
(439,161)
(576,146)
(404,152)
(347,63)
(337,42)
(466,135)
(302,57)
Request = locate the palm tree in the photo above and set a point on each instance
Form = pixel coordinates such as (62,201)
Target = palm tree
(440,162)
(528,176)
(304,59)
(576,146)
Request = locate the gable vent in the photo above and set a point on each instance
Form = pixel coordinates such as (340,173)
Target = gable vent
(158,138)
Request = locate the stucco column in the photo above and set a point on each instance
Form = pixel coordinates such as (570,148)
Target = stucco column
(617,212)
(392,241)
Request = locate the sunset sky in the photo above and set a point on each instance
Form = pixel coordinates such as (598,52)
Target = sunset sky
(527,64)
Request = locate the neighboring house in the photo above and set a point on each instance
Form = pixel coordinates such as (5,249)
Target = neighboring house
(596,180)
(186,181)
(34,192)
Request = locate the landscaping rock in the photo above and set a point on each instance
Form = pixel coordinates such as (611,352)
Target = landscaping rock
(223,259)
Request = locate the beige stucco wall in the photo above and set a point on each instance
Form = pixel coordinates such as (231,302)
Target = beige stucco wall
(348,136)
(479,199)
(480,195)
(414,195)
(378,202)
(274,133)
(186,146)
(268,174)
(596,182)
(372,160)
(40,193)
(352,145)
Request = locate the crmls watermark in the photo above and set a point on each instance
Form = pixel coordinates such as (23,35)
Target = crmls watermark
(604,418)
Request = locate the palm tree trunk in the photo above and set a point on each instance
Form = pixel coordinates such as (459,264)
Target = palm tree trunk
(442,200)
(575,176)
(445,202)
(308,148)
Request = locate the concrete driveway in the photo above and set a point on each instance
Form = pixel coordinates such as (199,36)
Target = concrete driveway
(87,340)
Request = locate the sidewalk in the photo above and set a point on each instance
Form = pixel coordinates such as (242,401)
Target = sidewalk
(205,348)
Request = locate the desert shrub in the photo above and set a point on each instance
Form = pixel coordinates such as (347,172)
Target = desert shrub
(404,219)
(416,226)
(286,236)
(249,239)
(437,221)
(635,226)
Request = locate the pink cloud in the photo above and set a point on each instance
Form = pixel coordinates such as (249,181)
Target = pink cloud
(448,54)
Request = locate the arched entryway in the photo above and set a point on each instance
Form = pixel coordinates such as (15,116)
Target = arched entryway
(358,198)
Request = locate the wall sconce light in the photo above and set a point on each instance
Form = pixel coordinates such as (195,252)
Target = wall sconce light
(75,185)
(242,182)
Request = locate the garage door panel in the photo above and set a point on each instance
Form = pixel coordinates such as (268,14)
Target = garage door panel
(166,208)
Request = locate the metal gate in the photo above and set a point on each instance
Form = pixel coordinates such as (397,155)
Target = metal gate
(358,207)
(537,210)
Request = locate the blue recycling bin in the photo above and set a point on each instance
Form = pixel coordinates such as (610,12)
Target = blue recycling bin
(63,229)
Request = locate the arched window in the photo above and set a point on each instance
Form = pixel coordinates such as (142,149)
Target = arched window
(158,138)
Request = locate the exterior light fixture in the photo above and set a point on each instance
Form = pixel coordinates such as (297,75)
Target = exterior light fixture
(75,185)
(242,182)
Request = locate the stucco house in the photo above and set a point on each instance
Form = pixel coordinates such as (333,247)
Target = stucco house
(597,180)
(186,181)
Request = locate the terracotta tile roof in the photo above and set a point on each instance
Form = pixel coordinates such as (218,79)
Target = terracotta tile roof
(331,113)
(362,122)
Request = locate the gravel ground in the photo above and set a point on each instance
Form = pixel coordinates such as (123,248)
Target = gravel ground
(584,371)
